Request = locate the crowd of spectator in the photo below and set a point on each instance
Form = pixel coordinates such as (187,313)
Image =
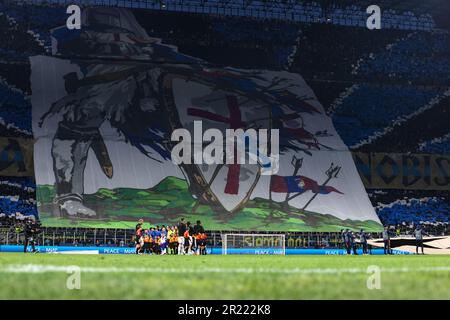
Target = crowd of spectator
(409,133)
(17,43)
(16,46)
(439,145)
(407,208)
(240,42)
(369,109)
(330,52)
(429,209)
(349,14)
(17,197)
(15,109)
(37,19)
(419,58)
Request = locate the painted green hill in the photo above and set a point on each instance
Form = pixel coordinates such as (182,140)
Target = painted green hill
(166,202)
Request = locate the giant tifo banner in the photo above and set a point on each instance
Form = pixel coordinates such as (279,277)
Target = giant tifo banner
(16,157)
(127,127)
(403,171)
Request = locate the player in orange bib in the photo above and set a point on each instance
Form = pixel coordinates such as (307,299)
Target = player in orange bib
(173,243)
(202,243)
(147,243)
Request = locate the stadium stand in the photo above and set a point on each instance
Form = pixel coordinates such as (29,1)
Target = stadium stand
(409,59)
(369,109)
(384,92)
(343,53)
(18,43)
(409,132)
(17,200)
(437,145)
(408,208)
(38,20)
(347,13)
(242,43)
(15,109)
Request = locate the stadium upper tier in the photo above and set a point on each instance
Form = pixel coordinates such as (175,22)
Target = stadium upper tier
(418,58)
(15,109)
(345,65)
(350,13)
(367,111)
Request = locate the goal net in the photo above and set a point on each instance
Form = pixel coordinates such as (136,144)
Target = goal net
(237,243)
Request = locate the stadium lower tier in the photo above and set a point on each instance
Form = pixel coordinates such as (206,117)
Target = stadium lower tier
(397,245)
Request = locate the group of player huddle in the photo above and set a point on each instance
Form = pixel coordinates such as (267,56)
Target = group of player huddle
(180,239)
(350,241)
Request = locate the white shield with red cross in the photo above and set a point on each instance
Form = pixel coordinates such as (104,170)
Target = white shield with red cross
(226,187)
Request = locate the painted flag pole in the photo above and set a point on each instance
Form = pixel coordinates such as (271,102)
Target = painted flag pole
(332,172)
(297,163)
(269,150)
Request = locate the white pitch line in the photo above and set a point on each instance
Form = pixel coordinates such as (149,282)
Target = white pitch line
(35,268)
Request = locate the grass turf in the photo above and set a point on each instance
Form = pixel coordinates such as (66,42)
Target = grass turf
(280,283)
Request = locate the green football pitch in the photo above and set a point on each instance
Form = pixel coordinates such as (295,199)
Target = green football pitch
(50,276)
